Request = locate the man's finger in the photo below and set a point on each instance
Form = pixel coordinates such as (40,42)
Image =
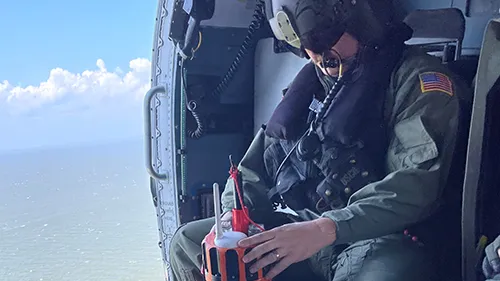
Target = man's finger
(278,268)
(260,251)
(256,239)
(265,261)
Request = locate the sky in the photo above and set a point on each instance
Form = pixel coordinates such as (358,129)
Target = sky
(73,71)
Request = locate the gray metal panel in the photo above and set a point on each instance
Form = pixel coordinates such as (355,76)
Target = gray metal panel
(161,128)
(208,159)
(273,72)
(483,7)
(410,5)
(218,50)
(231,13)
(475,27)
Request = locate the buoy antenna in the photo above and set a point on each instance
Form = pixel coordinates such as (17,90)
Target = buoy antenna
(218,225)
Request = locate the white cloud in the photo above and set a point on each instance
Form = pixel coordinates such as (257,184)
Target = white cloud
(66,92)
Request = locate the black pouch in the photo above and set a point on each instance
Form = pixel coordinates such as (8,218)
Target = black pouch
(346,170)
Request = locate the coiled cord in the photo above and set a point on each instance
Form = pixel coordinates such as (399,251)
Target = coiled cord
(200,130)
(191,106)
(328,101)
(258,18)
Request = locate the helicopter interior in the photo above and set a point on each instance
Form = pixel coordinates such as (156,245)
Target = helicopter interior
(237,73)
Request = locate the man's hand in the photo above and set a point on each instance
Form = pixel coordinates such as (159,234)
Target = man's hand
(288,244)
(491,263)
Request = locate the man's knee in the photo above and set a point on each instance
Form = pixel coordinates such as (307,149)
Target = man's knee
(387,259)
(185,249)
(176,242)
(189,236)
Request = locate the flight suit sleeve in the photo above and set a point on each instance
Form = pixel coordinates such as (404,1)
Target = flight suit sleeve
(422,136)
(254,178)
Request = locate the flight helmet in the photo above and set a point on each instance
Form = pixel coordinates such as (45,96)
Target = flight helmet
(318,24)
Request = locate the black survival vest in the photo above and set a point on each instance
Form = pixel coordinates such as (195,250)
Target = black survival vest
(353,136)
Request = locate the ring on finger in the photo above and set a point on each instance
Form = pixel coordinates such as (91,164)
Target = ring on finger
(277,255)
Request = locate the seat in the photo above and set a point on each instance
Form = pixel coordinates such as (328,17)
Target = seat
(437,30)
(481,189)
(447,222)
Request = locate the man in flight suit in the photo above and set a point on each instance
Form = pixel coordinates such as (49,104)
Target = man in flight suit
(381,122)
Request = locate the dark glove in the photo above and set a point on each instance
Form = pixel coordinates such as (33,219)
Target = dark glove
(491,263)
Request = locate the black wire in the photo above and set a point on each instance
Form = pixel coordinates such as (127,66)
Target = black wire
(327,102)
(258,18)
(320,115)
(288,156)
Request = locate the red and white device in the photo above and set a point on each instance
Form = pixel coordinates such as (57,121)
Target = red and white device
(221,256)
(240,220)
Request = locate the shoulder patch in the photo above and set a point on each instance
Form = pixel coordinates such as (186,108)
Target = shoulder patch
(435,81)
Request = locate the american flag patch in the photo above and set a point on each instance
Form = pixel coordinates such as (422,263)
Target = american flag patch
(435,81)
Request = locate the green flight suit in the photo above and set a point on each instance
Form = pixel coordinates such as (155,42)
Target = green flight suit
(422,121)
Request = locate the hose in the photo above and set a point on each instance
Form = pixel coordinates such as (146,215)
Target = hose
(259,17)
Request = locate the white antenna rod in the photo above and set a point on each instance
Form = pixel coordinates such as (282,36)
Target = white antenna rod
(218,226)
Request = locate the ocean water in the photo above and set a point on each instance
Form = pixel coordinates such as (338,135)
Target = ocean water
(78,213)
